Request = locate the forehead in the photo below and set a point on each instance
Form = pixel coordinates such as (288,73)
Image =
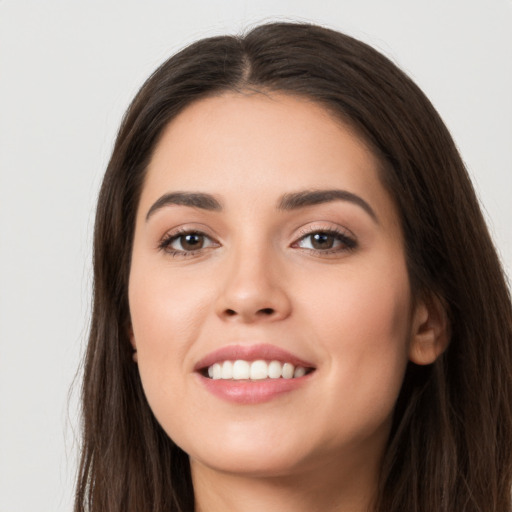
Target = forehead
(260,146)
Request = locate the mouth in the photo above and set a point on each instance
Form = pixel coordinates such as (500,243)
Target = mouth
(252,374)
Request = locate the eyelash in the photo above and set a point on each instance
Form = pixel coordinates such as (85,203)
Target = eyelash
(166,242)
(348,242)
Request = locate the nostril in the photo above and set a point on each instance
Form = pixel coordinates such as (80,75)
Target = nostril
(263,312)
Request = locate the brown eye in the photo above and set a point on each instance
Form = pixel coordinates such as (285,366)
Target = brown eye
(186,243)
(191,241)
(322,241)
(326,242)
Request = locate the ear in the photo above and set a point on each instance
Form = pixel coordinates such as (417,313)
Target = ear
(430,334)
(132,341)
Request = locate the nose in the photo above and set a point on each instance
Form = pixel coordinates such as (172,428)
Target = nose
(253,290)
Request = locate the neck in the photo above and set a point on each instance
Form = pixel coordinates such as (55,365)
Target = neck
(328,488)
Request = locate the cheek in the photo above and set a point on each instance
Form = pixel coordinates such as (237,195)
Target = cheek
(165,307)
(362,326)
(370,303)
(165,325)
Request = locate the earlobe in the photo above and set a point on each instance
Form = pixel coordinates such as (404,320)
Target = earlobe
(430,334)
(132,341)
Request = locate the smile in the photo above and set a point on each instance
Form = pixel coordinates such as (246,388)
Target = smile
(252,374)
(255,370)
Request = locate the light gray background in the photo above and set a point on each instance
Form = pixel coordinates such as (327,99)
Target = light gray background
(68,71)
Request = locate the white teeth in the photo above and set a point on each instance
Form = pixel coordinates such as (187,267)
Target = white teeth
(216,371)
(241,370)
(259,370)
(288,370)
(255,370)
(300,371)
(275,369)
(227,370)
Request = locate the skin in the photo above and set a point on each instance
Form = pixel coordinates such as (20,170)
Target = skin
(259,279)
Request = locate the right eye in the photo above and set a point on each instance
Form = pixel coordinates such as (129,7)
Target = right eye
(186,243)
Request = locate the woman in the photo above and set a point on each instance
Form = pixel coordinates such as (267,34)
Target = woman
(297,303)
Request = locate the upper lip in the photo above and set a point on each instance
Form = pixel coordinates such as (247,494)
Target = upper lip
(250,353)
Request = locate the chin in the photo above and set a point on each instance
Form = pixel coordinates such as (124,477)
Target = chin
(266,453)
(250,463)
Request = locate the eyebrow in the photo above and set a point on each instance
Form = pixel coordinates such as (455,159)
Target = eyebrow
(287,202)
(192,199)
(296,200)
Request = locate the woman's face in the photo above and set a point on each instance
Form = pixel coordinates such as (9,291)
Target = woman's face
(264,234)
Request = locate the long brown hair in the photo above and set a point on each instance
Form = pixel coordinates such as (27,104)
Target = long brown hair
(450,447)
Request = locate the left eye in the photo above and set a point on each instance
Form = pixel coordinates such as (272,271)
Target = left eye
(187,242)
(325,241)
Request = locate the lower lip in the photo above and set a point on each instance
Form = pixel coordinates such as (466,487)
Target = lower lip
(252,391)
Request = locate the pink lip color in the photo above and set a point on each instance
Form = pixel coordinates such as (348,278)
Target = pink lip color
(251,392)
(246,391)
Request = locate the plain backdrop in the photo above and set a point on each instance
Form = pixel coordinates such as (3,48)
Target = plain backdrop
(68,71)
